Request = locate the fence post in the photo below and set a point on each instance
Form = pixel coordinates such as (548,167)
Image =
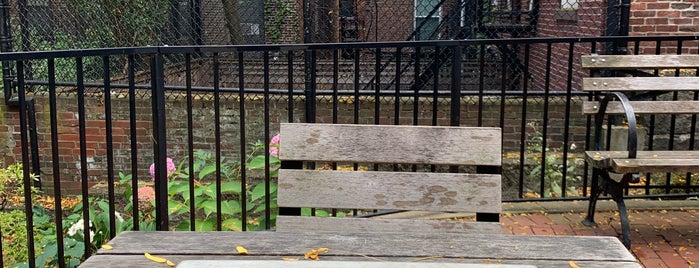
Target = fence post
(455,88)
(159,142)
(6,46)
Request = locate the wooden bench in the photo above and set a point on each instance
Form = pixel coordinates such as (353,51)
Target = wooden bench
(632,92)
(412,189)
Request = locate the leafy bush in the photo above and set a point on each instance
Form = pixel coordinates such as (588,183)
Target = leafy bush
(14,236)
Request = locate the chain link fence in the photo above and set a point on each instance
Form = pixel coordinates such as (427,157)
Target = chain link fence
(65,24)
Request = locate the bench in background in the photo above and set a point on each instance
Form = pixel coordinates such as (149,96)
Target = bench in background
(634,91)
(394,189)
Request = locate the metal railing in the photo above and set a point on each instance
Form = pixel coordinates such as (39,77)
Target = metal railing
(212,111)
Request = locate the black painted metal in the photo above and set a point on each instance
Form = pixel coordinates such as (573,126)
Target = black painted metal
(25,168)
(134,146)
(83,152)
(160,144)
(190,139)
(110,145)
(60,249)
(6,46)
(217,138)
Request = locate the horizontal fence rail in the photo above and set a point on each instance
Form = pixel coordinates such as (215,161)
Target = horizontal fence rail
(184,138)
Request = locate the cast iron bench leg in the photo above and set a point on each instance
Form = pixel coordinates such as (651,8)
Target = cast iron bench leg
(595,191)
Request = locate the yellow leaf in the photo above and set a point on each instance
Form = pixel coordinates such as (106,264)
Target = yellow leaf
(241,250)
(313,253)
(573,265)
(154,258)
(107,247)
(169,263)
(289,259)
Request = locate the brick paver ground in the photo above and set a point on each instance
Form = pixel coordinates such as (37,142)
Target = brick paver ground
(659,238)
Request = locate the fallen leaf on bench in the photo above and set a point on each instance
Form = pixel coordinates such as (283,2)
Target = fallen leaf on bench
(313,253)
(241,250)
(107,247)
(154,258)
(573,265)
(289,259)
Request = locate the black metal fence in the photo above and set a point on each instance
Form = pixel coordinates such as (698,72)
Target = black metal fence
(205,116)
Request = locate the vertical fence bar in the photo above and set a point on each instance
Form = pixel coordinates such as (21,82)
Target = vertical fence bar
(416,91)
(336,77)
(396,93)
(83,154)
(55,161)
(357,75)
(545,123)
(190,140)
(243,150)
(377,86)
(310,91)
(455,87)
(110,145)
(290,84)
(523,128)
(481,82)
(134,138)
(217,138)
(588,126)
(159,142)
(27,181)
(435,90)
(566,127)
(268,177)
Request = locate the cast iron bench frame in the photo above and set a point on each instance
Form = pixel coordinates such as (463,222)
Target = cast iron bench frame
(629,164)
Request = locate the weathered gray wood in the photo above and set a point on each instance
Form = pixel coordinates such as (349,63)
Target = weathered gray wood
(625,84)
(646,107)
(391,144)
(334,264)
(453,192)
(630,62)
(645,161)
(130,261)
(542,251)
(367,225)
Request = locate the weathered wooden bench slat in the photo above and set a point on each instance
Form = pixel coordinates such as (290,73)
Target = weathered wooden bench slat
(645,107)
(625,84)
(390,190)
(392,144)
(632,62)
(367,225)
(603,159)
(396,190)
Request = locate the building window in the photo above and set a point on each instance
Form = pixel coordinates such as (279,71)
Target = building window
(426,25)
(569,4)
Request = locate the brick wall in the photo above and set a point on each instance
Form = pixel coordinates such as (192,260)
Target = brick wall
(662,17)
(203,128)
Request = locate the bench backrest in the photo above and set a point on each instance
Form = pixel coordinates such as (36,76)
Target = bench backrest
(387,190)
(650,82)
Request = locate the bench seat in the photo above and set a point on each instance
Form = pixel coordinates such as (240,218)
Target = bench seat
(645,161)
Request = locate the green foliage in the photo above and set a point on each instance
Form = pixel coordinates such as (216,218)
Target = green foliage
(14,236)
(129,22)
(11,183)
(205,192)
(552,167)
(279,11)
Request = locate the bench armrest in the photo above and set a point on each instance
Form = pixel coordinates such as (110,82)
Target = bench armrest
(630,118)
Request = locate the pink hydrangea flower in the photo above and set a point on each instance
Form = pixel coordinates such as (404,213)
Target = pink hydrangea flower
(146,194)
(274,146)
(170,168)
(274,151)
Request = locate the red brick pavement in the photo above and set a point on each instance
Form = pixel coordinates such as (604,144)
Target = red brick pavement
(659,238)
